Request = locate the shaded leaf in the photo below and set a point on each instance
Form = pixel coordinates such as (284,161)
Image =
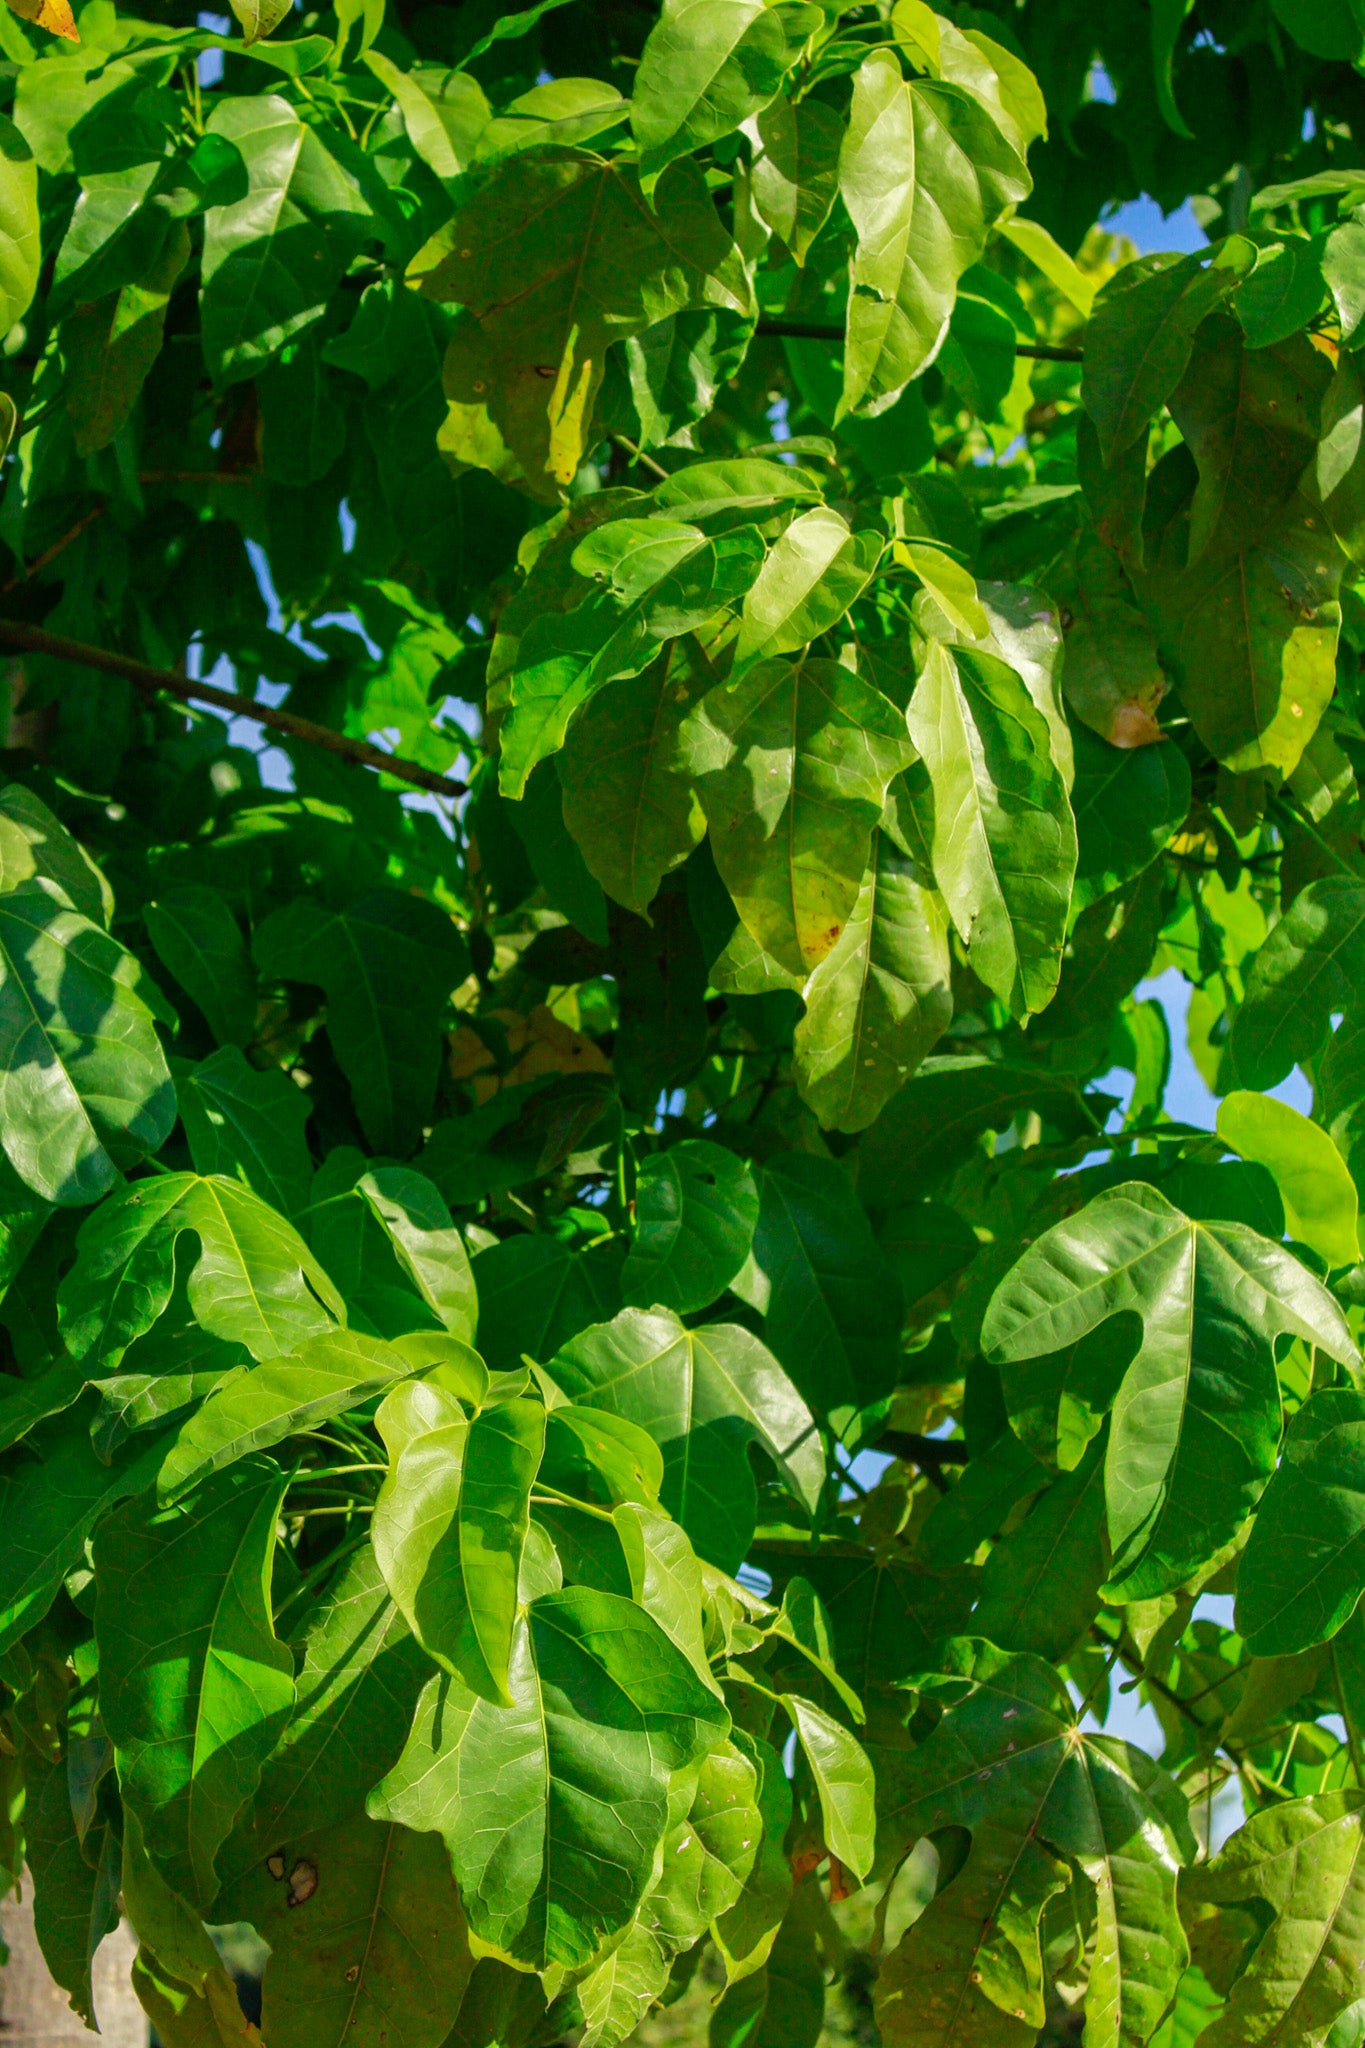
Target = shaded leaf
(388,964)
(84,1088)
(595,264)
(194,1684)
(829,1297)
(695,1210)
(627,803)
(247,1125)
(1308,969)
(1303,1570)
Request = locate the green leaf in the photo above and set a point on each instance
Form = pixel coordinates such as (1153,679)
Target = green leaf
(1168,18)
(75,1885)
(556,859)
(1129,803)
(273,256)
(924,172)
(1297,1863)
(1036,1790)
(1332,30)
(793,765)
(998,1477)
(535,1293)
(1040,1585)
(531,1798)
(830,1299)
(695,1210)
(944,1110)
(1004,848)
(952,587)
(632,812)
(879,1002)
(194,1685)
(1303,1570)
(20,251)
(780,2005)
(84,1088)
(703,1395)
(367,1939)
(133,1401)
(1252,634)
(448,1531)
(34,843)
(254,1282)
(1308,970)
(510,26)
(843,1779)
(259,17)
(1057,1403)
(1197,1418)
(428,1247)
(795,176)
(813,573)
(247,1125)
(388,965)
(1320,1202)
(706,67)
(199,941)
(655,578)
(678,367)
(111,346)
(49,1509)
(182,2017)
(360,1671)
(1250,418)
(1283,293)
(284,1397)
(595,263)
(160,1915)
(1139,337)
(1114,678)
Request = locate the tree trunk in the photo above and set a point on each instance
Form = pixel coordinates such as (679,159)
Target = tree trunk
(35,2013)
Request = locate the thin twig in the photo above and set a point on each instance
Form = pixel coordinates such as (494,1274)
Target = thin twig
(199,476)
(14,633)
(58,547)
(819,330)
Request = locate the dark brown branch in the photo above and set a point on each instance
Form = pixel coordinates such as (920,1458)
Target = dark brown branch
(930,1453)
(816,330)
(35,640)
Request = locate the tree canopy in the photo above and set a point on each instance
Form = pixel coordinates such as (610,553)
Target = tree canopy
(633,634)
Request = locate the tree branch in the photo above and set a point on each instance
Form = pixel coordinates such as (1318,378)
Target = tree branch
(930,1453)
(819,330)
(35,640)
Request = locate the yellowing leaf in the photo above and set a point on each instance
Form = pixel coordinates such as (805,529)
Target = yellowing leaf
(53,15)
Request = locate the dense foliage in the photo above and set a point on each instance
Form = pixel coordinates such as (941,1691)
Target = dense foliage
(841,625)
